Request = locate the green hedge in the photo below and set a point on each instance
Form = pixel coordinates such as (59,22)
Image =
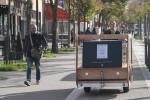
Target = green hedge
(63,49)
(50,55)
(137,37)
(14,67)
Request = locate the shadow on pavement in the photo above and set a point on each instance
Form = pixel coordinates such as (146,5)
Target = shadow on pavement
(70,77)
(3,78)
(52,72)
(38,95)
(16,86)
(145,98)
(104,94)
(58,60)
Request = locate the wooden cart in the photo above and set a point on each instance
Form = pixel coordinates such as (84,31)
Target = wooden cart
(105,77)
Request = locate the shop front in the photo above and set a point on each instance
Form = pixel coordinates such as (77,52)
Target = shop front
(16,26)
(3,20)
(62,23)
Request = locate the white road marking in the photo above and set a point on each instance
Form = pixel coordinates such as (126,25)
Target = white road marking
(75,94)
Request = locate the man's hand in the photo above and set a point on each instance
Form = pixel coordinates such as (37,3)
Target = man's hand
(41,52)
(25,56)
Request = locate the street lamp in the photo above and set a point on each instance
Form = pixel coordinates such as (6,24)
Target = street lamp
(62,23)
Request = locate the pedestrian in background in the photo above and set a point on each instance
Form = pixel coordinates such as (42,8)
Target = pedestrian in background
(94,31)
(72,35)
(87,31)
(103,31)
(38,41)
(112,29)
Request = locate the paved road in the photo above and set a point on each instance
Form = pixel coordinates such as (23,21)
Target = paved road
(58,82)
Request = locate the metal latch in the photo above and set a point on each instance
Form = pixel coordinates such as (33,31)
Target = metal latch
(102,77)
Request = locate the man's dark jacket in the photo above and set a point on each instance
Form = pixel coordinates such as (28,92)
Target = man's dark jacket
(38,40)
(109,32)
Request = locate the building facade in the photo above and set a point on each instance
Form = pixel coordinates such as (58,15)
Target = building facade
(17,22)
(18,16)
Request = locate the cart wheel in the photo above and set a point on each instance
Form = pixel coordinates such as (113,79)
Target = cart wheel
(87,89)
(126,89)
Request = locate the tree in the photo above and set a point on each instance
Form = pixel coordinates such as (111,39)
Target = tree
(87,9)
(68,8)
(73,5)
(54,6)
(136,11)
(111,10)
(69,23)
(19,46)
(28,15)
(44,11)
(7,43)
(115,9)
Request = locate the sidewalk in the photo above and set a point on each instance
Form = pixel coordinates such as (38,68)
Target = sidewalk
(139,50)
(57,81)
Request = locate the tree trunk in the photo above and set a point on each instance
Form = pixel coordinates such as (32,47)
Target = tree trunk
(84,24)
(54,27)
(8,35)
(69,26)
(87,23)
(94,23)
(99,20)
(74,24)
(44,12)
(140,28)
(103,23)
(145,38)
(149,41)
(28,15)
(79,14)
(37,15)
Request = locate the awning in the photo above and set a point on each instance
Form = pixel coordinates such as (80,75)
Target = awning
(81,20)
(49,13)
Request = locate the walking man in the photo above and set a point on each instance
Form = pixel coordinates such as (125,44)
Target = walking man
(38,41)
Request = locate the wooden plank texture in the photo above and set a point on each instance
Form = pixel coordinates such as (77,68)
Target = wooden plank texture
(94,37)
(108,73)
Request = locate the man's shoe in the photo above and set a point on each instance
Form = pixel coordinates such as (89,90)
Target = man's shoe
(38,82)
(27,83)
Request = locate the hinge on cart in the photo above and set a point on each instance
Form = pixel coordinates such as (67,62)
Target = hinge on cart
(102,82)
